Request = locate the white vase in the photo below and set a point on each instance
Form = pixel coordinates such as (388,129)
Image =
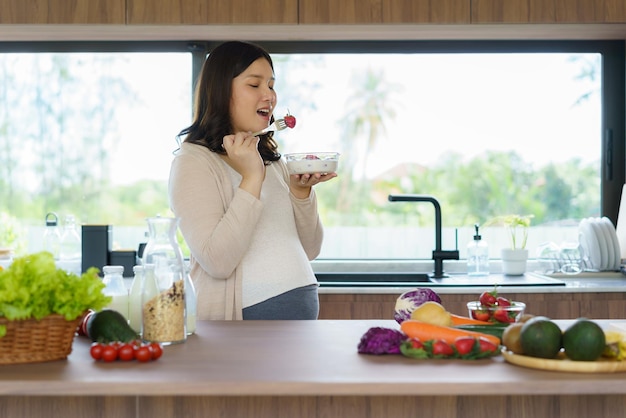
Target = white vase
(514,261)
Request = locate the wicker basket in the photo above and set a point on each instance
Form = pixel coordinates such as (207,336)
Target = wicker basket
(33,341)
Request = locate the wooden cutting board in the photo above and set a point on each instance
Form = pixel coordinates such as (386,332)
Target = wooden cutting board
(564,364)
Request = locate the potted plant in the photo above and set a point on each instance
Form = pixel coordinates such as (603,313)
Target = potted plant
(514,258)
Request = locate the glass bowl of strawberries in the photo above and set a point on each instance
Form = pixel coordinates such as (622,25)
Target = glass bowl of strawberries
(312,162)
(496,309)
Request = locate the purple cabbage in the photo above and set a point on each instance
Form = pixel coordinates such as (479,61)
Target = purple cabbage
(411,299)
(379,340)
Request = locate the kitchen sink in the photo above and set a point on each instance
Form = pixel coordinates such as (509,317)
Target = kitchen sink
(413,279)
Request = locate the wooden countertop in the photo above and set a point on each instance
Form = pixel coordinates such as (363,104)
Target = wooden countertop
(282,358)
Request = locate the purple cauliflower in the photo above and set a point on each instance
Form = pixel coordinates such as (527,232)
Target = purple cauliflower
(411,299)
(379,340)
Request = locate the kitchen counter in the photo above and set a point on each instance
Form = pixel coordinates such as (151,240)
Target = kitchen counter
(581,283)
(298,369)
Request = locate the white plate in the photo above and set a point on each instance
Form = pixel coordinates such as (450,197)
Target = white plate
(612,239)
(604,249)
(610,249)
(589,243)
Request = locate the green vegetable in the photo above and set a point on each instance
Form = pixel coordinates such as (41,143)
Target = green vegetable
(497,329)
(33,287)
(109,326)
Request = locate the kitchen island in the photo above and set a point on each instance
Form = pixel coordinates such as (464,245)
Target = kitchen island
(298,369)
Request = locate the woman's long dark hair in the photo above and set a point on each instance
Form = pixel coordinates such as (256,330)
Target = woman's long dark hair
(211,121)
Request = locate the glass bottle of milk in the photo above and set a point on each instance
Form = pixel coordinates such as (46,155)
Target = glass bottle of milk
(115,287)
(134,299)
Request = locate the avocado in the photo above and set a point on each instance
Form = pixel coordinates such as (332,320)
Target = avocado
(108,326)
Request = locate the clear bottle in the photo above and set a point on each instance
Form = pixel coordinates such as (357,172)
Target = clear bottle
(134,299)
(477,255)
(52,236)
(164,313)
(70,255)
(115,287)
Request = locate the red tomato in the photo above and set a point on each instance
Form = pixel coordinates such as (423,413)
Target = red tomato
(487,298)
(500,301)
(156,349)
(464,345)
(96,351)
(487,346)
(502,315)
(442,349)
(126,352)
(109,353)
(143,353)
(481,315)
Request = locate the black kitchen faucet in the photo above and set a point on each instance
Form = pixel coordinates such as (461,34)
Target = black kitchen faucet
(438,254)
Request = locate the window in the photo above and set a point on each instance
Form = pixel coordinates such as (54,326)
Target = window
(487,128)
(89,134)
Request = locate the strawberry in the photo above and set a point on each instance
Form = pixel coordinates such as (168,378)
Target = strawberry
(488,298)
(502,315)
(487,346)
(442,349)
(501,301)
(415,343)
(290,120)
(481,315)
(464,345)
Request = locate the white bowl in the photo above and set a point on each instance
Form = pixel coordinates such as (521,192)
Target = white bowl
(312,162)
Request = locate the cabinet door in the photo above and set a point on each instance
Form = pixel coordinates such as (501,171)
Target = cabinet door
(340,12)
(498,11)
(548,11)
(579,11)
(259,11)
(615,11)
(426,11)
(62,11)
(212,11)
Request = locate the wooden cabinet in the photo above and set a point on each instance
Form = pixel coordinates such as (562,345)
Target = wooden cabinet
(212,11)
(383,11)
(340,12)
(62,11)
(606,305)
(191,12)
(426,11)
(548,11)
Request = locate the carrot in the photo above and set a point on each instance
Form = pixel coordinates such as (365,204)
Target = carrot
(465,320)
(424,332)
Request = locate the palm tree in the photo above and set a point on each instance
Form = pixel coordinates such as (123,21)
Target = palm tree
(367,110)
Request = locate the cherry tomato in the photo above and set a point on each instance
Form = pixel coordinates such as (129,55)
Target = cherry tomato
(464,345)
(156,349)
(143,353)
(126,352)
(96,351)
(442,349)
(109,353)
